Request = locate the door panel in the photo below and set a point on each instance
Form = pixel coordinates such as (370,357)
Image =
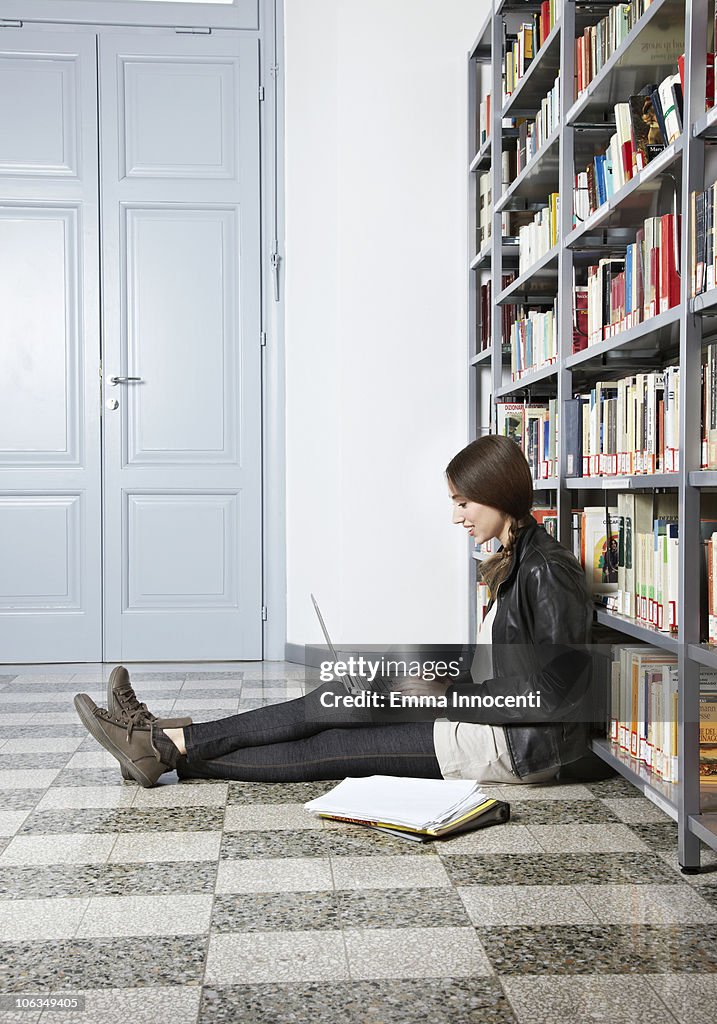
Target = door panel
(50,507)
(181,285)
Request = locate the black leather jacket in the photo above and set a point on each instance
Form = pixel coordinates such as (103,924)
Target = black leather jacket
(540,639)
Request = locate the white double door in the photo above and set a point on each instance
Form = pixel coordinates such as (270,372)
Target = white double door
(130,512)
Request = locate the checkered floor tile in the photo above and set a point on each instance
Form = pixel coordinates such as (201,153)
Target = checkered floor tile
(217,902)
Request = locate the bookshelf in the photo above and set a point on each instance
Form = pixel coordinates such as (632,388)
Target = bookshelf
(676,336)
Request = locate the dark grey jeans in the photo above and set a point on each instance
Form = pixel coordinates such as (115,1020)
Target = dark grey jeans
(300,740)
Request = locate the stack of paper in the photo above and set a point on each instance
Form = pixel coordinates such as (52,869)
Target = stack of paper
(431,807)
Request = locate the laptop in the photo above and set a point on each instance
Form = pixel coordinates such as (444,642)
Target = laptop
(352,684)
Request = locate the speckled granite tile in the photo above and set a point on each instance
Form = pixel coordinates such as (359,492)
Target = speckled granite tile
(556,869)
(72,964)
(21,799)
(634,812)
(204,695)
(60,880)
(548,791)
(357,840)
(110,776)
(3,844)
(27,778)
(657,835)
(562,812)
(272,817)
(165,846)
(250,958)
(20,762)
(708,892)
(391,1001)
(233,676)
(648,904)
(692,999)
(366,873)
(145,676)
(381,953)
(271,911)
(708,866)
(167,914)
(587,998)
(288,874)
(254,845)
(275,793)
(394,908)
(38,728)
(40,919)
(11,821)
(587,838)
(186,794)
(42,745)
(71,797)
(508,838)
(601,949)
(250,703)
(140,1005)
(515,905)
(615,787)
(16,718)
(57,849)
(124,819)
(221,707)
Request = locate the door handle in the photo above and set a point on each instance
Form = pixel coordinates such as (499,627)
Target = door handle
(125,380)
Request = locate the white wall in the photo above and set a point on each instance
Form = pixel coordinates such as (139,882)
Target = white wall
(376,315)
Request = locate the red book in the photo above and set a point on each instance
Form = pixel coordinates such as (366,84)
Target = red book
(710,82)
(627,159)
(580,326)
(709,76)
(654,282)
(544,21)
(669,278)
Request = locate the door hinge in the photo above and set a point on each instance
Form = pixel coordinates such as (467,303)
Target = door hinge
(262,94)
(264,613)
(262,339)
(10,24)
(181,31)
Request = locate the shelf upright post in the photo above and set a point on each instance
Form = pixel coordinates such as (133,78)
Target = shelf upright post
(496,163)
(473,291)
(688,606)
(566,178)
(472,243)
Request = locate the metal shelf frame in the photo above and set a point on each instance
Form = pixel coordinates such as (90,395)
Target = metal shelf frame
(677,334)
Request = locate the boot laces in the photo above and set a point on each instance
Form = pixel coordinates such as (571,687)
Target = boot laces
(130,720)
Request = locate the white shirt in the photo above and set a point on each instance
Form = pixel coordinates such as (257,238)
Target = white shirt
(466,750)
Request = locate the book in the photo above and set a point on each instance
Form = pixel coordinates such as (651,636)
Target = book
(426,807)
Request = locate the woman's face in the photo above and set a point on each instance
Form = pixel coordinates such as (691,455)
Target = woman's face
(482,521)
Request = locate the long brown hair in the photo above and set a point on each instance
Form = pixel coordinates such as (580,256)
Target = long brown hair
(493,471)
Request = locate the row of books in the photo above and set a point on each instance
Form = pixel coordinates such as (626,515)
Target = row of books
(643,707)
(621,293)
(644,687)
(630,556)
(485,211)
(532,134)
(708,458)
(646,124)
(521,48)
(533,340)
(598,42)
(625,427)
(507,312)
(534,427)
(703,254)
(540,234)
(484,120)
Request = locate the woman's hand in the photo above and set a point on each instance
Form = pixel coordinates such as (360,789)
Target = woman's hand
(419,687)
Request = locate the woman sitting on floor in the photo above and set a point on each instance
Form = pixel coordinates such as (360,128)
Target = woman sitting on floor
(532,641)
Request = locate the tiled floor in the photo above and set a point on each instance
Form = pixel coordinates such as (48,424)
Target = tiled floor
(222,902)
